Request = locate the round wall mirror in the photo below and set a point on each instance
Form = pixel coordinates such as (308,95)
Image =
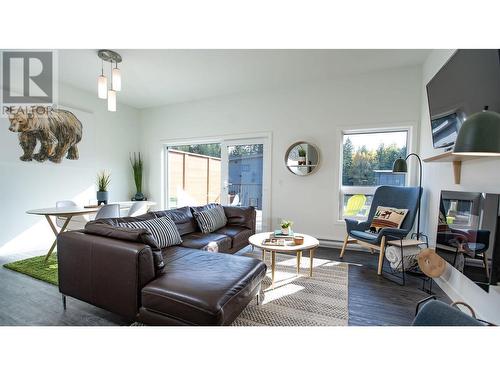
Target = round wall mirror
(302,158)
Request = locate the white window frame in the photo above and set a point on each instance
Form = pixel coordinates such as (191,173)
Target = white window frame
(370,190)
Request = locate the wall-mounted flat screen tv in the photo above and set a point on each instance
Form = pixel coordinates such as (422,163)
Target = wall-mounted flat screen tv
(466,84)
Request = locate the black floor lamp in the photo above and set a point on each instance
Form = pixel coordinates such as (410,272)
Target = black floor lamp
(400,166)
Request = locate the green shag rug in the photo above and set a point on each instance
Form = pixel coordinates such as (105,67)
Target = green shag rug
(37,268)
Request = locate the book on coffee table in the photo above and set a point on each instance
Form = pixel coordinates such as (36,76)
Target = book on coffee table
(279,234)
(277,242)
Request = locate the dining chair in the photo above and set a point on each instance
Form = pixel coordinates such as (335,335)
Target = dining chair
(138,208)
(76,222)
(108,211)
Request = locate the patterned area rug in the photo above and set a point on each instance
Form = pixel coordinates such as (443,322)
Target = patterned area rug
(300,300)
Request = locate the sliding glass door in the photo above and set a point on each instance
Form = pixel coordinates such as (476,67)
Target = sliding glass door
(193,174)
(243,175)
(229,172)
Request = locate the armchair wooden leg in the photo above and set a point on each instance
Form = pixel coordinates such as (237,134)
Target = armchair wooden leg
(381,256)
(485,261)
(346,239)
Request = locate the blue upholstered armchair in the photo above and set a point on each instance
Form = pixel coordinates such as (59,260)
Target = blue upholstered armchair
(437,313)
(388,196)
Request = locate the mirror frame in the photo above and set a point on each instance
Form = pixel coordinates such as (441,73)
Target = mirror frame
(291,147)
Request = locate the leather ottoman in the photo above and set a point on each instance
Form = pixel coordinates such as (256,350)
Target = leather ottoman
(201,288)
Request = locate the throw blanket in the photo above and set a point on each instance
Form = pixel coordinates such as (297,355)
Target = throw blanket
(393,255)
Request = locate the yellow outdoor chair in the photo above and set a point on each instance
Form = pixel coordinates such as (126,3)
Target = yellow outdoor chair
(355,204)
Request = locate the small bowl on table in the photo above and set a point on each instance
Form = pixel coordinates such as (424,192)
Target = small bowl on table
(298,240)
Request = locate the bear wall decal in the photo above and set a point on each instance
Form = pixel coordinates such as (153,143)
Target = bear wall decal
(58,132)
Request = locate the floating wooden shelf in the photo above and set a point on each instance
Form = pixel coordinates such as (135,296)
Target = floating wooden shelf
(456,160)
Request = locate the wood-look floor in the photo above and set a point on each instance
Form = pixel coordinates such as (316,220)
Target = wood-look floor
(373,300)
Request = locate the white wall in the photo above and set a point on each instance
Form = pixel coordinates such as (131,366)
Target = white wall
(314,112)
(107,140)
(477,175)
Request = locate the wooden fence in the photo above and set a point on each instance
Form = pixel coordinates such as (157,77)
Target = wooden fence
(193,179)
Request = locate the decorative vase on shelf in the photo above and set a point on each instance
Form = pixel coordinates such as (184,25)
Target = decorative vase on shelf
(139,196)
(302,160)
(285,231)
(103,182)
(102,197)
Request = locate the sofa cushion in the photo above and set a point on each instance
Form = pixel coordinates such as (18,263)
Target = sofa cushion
(239,235)
(204,207)
(198,240)
(140,235)
(163,230)
(182,217)
(211,219)
(202,288)
(114,221)
(241,216)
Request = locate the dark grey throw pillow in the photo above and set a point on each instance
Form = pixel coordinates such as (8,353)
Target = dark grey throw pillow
(211,219)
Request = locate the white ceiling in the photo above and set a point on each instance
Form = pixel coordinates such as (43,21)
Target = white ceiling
(160,77)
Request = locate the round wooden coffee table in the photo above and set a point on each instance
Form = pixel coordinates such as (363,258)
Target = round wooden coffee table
(310,243)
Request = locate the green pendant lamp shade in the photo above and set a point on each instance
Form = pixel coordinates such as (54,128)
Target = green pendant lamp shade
(400,166)
(479,135)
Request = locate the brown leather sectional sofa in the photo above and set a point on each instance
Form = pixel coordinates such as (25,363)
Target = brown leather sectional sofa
(121,270)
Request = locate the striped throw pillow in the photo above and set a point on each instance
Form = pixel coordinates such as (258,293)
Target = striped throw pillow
(211,219)
(163,230)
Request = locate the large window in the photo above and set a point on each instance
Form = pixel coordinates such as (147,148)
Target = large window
(367,160)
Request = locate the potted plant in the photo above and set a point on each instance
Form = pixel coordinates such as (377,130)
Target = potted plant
(103,181)
(286,226)
(302,155)
(136,163)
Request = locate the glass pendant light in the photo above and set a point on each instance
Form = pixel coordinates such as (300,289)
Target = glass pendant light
(111,100)
(104,90)
(102,84)
(116,79)
(112,94)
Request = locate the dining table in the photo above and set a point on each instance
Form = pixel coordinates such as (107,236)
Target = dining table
(67,213)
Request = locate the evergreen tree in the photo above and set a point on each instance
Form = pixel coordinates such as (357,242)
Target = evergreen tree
(347,154)
(210,149)
(362,168)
